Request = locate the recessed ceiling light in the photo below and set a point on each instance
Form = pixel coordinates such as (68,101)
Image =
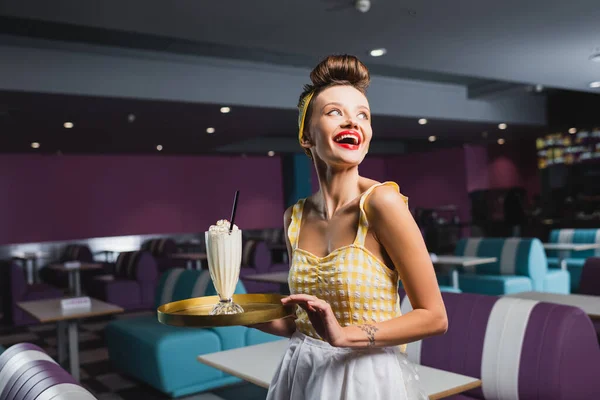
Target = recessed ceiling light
(378,52)
(502,126)
(159,147)
(131,117)
(501,141)
(573,131)
(68,125)
(35,145)
(595,84)
(210,130)
(225,110)
(595,57)
(422,121)
(271,153)
(432,138)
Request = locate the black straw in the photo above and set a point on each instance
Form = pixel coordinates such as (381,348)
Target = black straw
(235,201)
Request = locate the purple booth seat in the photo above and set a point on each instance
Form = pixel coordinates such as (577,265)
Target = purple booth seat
(131,286)
(73,252)
(520,349)
(19,290)
(257,259)
(161,250)
(590,283)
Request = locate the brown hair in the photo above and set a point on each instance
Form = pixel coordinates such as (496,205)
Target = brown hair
(335,70)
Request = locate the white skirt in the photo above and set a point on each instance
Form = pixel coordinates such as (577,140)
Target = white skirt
(312,369)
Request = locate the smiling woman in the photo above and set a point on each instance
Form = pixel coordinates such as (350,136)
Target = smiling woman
(349,245)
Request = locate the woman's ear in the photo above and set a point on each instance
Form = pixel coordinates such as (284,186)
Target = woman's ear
(306,140)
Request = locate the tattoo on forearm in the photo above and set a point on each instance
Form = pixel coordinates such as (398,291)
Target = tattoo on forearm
(370,331)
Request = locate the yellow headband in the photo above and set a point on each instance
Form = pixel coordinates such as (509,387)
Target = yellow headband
(303,107)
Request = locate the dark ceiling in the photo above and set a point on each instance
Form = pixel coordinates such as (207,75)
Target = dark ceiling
(102,125)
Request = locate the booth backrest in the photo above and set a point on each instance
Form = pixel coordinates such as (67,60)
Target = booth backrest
(160,247)
(515,256)
(590,277)
(136,265)
(579,236)
(520,349)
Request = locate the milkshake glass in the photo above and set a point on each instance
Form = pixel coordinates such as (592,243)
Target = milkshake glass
(224,253)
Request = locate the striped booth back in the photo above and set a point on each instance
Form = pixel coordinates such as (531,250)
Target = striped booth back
(77,252)
(27,372)
(515,256)
(578,236)
(180,284)
(160,247)
(136,265)
(520,349)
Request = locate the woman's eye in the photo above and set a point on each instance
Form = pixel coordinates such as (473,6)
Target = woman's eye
(363,115)
(334,112)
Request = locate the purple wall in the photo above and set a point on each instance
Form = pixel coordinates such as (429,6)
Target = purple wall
(432,179)
(476,164)
(514,164)
(50,198)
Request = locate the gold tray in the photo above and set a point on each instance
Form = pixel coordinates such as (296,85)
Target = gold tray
(194,312)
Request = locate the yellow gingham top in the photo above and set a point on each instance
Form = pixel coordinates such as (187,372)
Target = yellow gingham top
(359,287)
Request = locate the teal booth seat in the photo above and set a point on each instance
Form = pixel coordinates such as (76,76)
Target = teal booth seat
(521,266)
(573,259)
(2,349)
(165,357)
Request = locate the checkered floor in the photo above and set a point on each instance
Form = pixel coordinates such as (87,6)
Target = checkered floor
(97,373)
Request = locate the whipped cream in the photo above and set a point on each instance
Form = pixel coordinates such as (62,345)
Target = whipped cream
(222,226)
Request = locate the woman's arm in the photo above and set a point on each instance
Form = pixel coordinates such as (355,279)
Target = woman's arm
(395,228)
(283,326)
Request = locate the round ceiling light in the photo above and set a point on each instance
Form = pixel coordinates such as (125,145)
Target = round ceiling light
(501,141)
(35,145)
(271,153)
(68,125)
(502,126)
(432,139)
(210,130)
(595,84)
(573,131)
(225,110)
(159,147)
(378,52)
(422,121)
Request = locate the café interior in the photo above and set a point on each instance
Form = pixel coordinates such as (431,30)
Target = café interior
(126,130)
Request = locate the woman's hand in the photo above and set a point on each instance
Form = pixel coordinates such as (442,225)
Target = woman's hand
(321,316)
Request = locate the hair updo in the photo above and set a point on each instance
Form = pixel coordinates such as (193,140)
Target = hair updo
(335,70)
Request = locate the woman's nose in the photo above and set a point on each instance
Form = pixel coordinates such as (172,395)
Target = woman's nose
(351,122)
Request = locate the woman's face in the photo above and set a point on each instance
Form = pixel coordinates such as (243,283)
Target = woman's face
(339,131)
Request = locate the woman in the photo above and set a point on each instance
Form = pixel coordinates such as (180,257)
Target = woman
(349,244)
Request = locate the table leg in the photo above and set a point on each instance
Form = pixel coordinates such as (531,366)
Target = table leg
(562,263)
(71,282)
(73,350)
(77,282)
(61,340)
(199,264)
(455,278)
(189,264)
(34,265)
(29,271)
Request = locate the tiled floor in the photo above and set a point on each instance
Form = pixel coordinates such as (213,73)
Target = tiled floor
(97,373)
